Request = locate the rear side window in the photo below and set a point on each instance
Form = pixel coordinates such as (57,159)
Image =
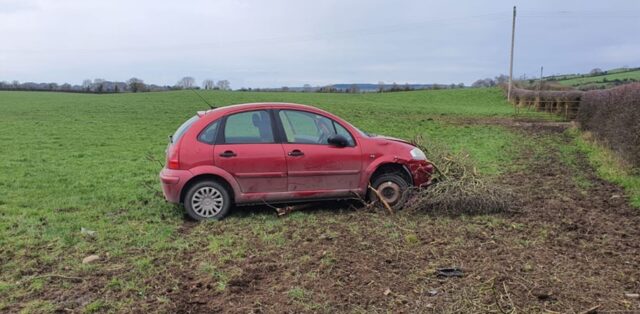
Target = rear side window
(251,127)
(183,129)
(210,133)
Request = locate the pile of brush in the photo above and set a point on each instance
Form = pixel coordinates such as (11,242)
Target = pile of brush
(457,187)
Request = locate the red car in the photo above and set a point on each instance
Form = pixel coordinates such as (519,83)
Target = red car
(282,153)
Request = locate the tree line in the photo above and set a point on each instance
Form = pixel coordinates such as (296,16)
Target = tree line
(100,86)
(490,82)
(136,85)
(381,87)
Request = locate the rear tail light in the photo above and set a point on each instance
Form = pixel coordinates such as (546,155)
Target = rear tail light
(173,160)
(173,164)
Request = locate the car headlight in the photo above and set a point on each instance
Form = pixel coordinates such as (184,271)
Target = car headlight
(418,154)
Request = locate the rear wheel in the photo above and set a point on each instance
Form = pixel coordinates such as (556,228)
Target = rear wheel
(207,200)
(392,187)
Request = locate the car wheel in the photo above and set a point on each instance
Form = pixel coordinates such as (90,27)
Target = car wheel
(207,200)
(392,187)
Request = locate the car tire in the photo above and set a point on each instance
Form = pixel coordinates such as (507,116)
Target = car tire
(207,200)
(392,187)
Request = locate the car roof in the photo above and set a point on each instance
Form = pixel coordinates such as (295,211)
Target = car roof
(261,105)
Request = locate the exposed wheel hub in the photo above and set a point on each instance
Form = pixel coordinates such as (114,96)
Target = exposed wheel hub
(390,192)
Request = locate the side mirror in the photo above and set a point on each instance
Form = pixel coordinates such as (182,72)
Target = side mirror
(338,140)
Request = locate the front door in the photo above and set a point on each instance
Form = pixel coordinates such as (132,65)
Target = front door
(250,153)
(313,164)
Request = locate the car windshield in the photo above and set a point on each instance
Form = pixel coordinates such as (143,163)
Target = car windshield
(363,133)
(183,129)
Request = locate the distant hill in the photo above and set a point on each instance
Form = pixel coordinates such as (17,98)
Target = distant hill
(368,87)
(374,87)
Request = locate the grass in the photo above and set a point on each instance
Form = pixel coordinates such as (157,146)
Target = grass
(608,165)
(600,79)
(76,160)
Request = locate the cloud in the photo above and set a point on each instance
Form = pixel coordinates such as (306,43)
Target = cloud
(16,6)
(626,53)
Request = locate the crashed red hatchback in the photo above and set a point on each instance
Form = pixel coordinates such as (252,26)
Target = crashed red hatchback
(283,153)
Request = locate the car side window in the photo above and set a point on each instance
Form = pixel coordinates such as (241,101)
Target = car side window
(342,131)
(309,128)
(210,133)
(251,127)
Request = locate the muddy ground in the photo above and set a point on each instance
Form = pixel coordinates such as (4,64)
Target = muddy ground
(570,246)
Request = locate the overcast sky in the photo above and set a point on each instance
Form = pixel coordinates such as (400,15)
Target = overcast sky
(291,43)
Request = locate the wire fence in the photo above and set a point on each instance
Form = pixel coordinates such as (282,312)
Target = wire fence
(566,110)
(562,104)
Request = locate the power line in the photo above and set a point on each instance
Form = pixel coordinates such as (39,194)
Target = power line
(580,14)
(287,39)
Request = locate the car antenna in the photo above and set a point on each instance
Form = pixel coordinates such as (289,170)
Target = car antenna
(205,101)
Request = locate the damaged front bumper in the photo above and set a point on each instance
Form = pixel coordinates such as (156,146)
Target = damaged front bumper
(421,171)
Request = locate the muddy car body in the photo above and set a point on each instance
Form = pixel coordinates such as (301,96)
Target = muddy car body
(282,153)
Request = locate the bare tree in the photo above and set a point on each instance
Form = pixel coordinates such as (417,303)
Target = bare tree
(86,85)
(136,85)
(596,71)
(484,83)
(98,85)
(306,88)
(328,89)
(223,85)
(208,84)
(186,82)
(501,79)
(380,86)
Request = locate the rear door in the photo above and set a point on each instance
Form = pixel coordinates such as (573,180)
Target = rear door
(313,164)
(247,149)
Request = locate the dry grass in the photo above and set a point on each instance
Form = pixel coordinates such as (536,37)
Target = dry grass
(458,188)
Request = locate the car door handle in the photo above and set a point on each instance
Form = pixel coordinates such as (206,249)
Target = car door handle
(228,154)
(296,152)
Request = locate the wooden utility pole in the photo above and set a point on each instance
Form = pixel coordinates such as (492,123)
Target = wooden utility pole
(540,83)
(513,37)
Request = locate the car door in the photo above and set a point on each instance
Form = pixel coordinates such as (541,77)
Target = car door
(248,150)
(313,164)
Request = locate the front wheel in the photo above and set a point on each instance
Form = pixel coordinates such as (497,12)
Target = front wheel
(392,187)
(207,200)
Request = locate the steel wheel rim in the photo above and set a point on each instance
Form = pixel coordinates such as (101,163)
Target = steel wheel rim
(207,201)
(390,192)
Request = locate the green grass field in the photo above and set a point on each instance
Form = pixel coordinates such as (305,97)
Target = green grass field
(602,80)
(73,161)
